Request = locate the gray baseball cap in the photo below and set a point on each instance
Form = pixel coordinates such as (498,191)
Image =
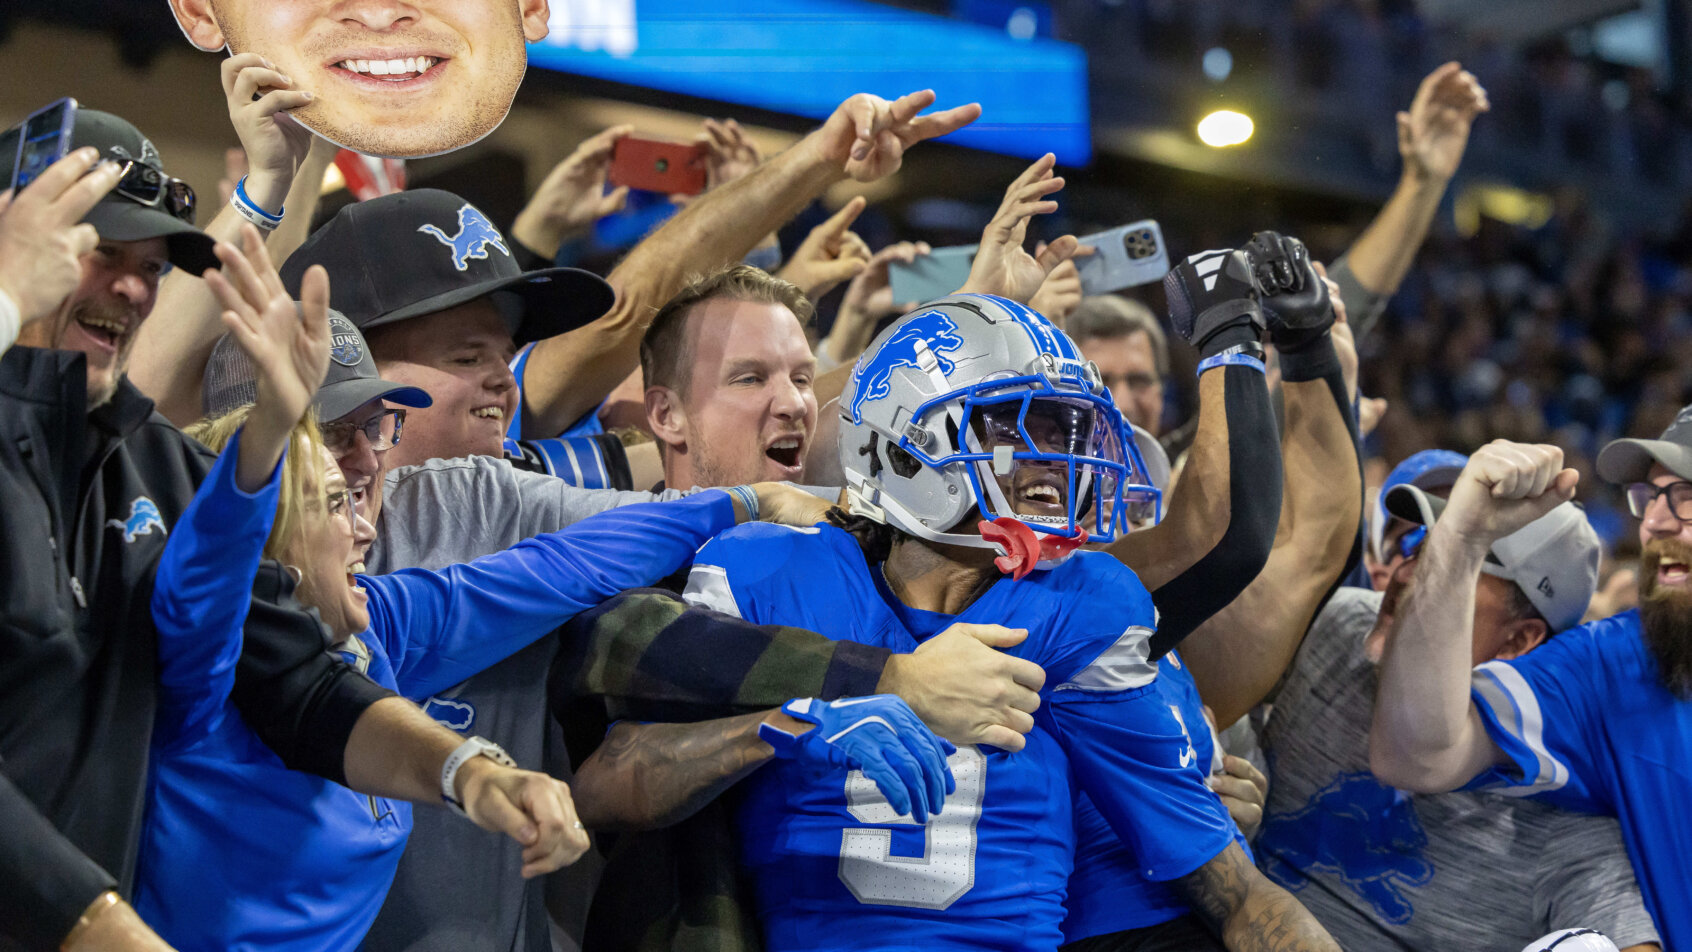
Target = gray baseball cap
(1629,461)
(1553,559)
(350,383)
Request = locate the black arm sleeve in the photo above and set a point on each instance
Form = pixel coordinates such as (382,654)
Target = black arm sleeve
(45,882)
(647,655)
(294,693)
(1254,508)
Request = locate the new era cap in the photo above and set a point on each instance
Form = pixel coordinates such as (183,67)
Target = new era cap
(1553,559)
(1428,469)
(116,217)
(350,383)
(1629,461)
(413,253)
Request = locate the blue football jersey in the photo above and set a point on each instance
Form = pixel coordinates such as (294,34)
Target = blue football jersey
(1108,892)
(1587,725)
(835,868)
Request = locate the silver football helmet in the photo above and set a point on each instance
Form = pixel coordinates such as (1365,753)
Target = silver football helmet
(977,403)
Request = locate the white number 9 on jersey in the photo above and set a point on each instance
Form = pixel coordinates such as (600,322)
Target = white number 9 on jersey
(946,868)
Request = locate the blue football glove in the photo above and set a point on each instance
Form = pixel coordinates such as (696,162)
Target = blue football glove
(1213,301)
(879,735)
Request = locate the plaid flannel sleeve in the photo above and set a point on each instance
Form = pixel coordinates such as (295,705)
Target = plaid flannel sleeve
(653,657)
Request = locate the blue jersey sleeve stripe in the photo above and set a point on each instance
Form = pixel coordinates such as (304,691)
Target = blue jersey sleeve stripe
(599,465)
(1125,665)
(576,472)
(1516,723)
(708,587)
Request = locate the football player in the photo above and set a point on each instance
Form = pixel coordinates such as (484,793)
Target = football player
(981,453)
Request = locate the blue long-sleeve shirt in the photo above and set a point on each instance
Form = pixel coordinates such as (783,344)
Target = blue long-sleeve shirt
(238,852)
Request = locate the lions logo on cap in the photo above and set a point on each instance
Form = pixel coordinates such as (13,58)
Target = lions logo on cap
(346,346)
(475,235)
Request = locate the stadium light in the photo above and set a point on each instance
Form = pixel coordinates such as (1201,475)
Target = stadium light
(1224,128)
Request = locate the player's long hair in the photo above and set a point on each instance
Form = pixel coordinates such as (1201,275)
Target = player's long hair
(875,538)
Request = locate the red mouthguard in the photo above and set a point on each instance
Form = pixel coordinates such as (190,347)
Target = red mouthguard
(1023,548)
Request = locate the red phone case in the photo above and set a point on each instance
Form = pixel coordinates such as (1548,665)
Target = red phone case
(673,168)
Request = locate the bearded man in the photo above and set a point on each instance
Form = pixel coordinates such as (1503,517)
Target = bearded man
(1600,718)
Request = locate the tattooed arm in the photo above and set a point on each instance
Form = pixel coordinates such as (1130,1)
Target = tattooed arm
(1250,913)
(649,776)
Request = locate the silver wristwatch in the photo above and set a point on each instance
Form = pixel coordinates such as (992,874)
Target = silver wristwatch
(474,747)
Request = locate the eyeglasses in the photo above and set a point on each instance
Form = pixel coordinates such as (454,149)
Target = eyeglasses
(147,185)
(382,430)
(341,503)
(1679,493)
(1411,542)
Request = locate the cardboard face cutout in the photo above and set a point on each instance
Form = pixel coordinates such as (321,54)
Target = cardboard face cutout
(391,78)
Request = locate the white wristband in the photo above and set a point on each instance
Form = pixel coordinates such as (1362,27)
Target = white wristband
(11,321)
(474,747)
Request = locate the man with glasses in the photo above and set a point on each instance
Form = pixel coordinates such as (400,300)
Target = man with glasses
(1471,870)
(358,425)
(1389,539)
(1599,720)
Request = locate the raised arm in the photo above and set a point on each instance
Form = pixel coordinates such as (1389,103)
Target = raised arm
(1219,524)
(1432,136)
(1427,735)
(173,345)
(1240,653)
(865,139)
(42,240)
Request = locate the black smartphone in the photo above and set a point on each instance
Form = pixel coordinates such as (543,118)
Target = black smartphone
(43,139)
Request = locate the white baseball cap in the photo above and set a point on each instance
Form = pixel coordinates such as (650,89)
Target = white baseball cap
(1553,559)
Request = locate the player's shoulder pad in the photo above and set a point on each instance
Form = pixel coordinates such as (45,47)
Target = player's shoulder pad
(1096,585)
(753,551)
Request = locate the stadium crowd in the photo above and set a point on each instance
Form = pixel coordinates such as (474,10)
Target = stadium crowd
(387,586)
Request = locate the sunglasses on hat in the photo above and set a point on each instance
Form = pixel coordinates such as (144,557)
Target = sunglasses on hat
(147,185)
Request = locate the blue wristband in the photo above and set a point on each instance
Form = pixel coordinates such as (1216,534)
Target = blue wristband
(1231,360)
(748,498)
(242,200)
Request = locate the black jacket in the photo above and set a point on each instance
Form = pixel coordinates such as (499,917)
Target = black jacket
(86,503)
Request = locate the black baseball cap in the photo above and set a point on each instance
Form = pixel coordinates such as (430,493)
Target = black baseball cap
(117,217)
(350,383)
(413,253)
(1629,461)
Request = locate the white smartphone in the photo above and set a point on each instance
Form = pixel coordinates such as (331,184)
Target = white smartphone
(1124,257)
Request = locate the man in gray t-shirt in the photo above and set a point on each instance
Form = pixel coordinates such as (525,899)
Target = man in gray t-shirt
(1385,869)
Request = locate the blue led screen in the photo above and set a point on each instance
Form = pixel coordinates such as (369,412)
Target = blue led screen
(804,56)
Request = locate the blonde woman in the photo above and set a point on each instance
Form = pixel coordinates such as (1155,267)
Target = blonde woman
(238,851)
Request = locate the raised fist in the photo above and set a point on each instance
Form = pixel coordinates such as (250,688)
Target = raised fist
(1295,298)
(1213,300)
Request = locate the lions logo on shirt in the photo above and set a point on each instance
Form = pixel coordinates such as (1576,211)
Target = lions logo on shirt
(143,518)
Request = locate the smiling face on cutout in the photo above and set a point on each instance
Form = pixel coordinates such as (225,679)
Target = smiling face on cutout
(390,77)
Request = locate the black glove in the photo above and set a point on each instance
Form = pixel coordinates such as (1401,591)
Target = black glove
(1295,298)
(1213,301)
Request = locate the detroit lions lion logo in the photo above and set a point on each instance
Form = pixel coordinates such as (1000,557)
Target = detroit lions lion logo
(458,715)
(1366,834)
(143,518)
(872,378)
(475,235)
(346,347)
